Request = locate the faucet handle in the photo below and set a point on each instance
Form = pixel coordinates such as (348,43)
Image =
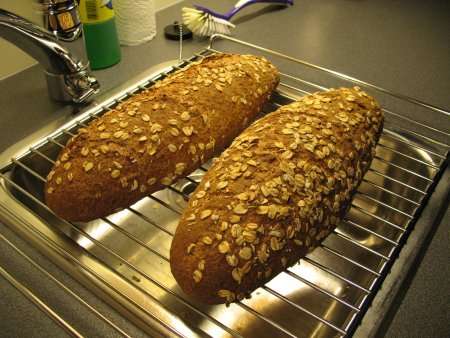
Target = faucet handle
(76,87)
(87,86)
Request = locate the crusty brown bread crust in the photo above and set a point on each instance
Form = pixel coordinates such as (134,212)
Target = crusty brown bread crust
(158,136)
(281,187)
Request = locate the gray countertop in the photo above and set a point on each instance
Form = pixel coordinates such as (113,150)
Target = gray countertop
(400,45)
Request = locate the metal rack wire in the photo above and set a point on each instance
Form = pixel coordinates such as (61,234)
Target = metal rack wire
(31,295)
(126,255)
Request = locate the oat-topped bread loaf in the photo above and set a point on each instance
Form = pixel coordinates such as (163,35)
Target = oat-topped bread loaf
(281,187)
(158,136)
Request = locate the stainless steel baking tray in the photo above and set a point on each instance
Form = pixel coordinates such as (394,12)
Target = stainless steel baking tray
(124,258)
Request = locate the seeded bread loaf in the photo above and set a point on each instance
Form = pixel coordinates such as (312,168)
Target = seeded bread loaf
(280,188)
(158,136)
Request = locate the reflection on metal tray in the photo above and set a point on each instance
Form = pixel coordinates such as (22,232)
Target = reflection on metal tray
(125,257)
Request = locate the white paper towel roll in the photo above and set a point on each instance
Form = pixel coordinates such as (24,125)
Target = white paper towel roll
(135,21)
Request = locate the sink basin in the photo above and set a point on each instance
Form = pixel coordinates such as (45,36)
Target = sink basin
(124,258)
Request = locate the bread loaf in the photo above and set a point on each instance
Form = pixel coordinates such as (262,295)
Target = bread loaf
(281,187)
(158,136)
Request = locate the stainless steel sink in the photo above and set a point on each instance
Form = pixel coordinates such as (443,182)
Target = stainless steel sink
(124,258)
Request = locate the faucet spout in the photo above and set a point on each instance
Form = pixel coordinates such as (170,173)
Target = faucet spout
(59,49)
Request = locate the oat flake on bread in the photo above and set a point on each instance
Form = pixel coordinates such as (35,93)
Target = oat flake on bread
(275,194)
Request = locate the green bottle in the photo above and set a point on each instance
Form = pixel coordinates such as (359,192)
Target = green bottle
(100,34)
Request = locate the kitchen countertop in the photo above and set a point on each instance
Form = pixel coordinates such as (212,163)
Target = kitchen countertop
(400,45)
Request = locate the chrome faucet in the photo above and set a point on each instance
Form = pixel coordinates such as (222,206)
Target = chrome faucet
(57,43)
